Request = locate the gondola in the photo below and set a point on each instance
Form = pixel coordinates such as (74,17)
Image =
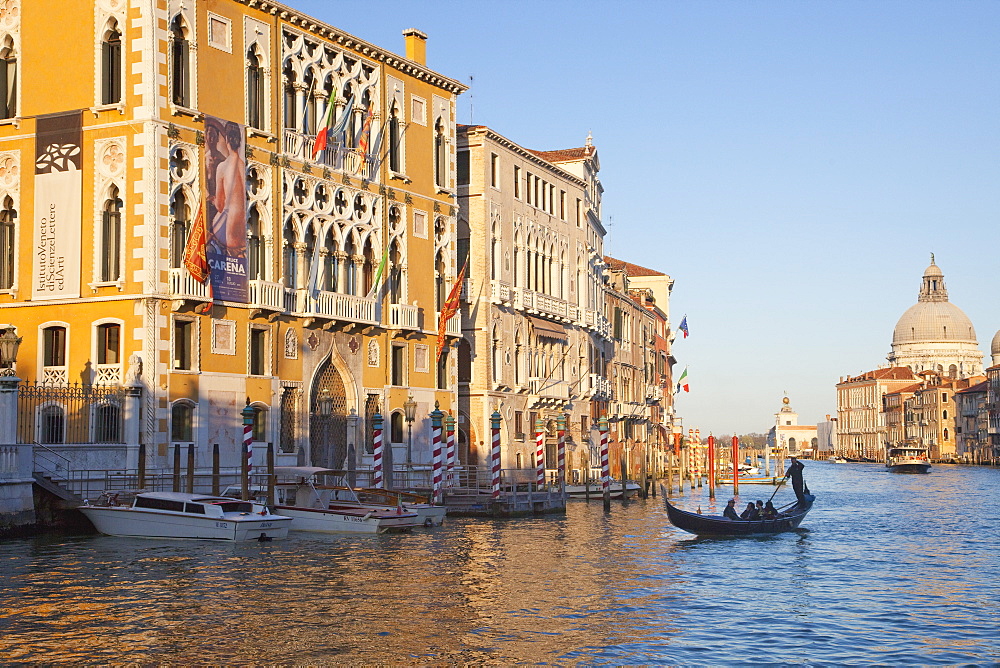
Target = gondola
(717,525)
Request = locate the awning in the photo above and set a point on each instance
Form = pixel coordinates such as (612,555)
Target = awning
(548,329)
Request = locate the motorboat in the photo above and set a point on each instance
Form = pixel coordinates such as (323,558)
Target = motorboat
(314,508)
(907,459)
(617,489)
(184,515)
(376,497)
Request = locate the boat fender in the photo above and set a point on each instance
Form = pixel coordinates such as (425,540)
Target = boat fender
(428,522)
(368,514)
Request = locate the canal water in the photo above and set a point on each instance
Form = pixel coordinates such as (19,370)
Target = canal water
(887,569)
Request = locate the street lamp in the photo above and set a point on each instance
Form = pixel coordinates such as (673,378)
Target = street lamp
(9,343)
(410,411)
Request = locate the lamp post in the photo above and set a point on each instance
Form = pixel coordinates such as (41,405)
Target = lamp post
(410,411)
(9,344)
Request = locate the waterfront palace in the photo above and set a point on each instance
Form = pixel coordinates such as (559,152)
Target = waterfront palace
(214,211)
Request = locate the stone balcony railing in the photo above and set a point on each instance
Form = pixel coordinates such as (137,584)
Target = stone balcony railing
(182,285)
(454,325)
(342,159)
(331,305)
(548,388)
(403,316)
(500,293)
(264,294)
(600,387)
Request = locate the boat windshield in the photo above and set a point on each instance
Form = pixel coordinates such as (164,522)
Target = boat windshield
(236,506)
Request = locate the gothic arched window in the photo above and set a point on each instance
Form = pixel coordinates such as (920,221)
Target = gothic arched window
(111,66)
(180,76)
(111,235)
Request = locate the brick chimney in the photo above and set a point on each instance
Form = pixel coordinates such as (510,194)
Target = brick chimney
(416,46)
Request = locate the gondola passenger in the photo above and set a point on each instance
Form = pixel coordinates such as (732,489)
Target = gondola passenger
(769,512)
(750,513)
(730,511)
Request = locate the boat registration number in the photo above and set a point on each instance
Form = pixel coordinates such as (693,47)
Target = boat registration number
(265,525)
(222,525)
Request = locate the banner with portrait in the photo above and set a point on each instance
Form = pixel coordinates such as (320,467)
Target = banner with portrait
(58,206)
(226,209)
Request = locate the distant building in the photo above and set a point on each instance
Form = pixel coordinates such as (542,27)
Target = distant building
(797,439)
(972,424)
(826,434)
(934,334)
(861,429)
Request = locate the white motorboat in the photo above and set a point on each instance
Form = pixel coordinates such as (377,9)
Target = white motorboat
(907,459)
(316,509)
(183,515)
(374,497)
(595,490)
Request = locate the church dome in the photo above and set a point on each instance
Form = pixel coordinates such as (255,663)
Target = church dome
(934,321)
(995,348)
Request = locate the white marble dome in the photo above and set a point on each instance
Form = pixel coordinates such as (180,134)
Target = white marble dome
(995,348)
(933,321)
(935,335)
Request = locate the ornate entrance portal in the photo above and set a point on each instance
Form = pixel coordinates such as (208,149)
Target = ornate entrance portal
(328,419)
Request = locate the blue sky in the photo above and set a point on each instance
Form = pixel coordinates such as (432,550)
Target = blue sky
(791,165)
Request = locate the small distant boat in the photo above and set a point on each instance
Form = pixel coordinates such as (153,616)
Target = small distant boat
(617,490)
(717,525)
(837,460)
(182,515)
(907,459)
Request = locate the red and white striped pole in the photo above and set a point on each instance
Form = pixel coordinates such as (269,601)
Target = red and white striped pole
(449,424)
(605,467)
(562,451)
(540,452)
(377,446)
(436,416)
(495,454)
(249,416)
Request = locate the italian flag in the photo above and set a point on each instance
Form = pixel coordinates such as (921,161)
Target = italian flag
(324,129)
(681,385)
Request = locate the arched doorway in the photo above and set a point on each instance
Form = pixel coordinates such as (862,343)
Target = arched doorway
(328,423)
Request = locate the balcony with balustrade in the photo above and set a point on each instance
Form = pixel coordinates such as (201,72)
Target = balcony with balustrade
(342,159)
(331,306)
(182,285)
(549,390)
(403,316)
(454,325)
(500,292)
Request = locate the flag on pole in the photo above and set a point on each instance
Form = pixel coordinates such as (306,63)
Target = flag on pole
(378,274)
(681,385)
(450,308)
(322,132)
(195,256)
(365,132)
(328,129)
(684,326)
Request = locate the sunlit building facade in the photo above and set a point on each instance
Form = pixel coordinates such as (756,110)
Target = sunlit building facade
(535,331)
(326,266)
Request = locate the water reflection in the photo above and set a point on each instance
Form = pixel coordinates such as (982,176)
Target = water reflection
(887,570)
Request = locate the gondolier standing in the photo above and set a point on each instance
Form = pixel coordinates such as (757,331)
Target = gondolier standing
(795,473)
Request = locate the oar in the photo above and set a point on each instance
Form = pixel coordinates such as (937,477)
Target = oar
(777,487)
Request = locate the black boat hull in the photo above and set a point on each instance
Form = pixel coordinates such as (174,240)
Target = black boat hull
(716,525)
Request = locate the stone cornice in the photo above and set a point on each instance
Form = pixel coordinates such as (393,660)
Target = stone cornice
(348,41)
(487,132)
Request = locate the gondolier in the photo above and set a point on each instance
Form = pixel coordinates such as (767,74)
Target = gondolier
(798,485)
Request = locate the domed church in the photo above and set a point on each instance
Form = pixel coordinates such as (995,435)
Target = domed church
(934,334)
